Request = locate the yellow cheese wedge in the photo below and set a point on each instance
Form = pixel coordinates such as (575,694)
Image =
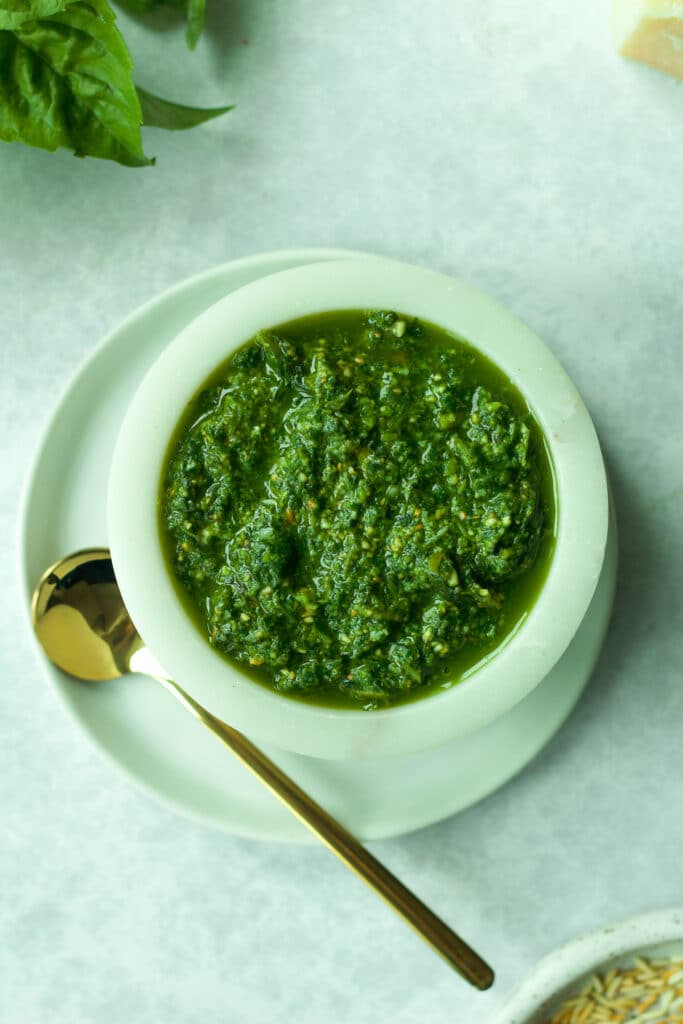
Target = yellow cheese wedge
(650,31)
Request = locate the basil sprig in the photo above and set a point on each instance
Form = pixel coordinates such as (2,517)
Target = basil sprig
(66,80)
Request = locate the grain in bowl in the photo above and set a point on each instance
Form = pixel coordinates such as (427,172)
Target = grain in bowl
(646,991)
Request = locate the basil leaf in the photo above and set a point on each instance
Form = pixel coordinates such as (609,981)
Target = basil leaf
(145,6)
(65,80)
(158,113)
(138,6)
(195,21)
(14,12)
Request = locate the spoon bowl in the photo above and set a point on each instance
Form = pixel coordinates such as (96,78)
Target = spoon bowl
(80,619)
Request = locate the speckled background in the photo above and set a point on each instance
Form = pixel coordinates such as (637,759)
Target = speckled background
(504,143)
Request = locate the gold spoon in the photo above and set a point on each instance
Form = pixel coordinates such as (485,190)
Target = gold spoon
(84,628)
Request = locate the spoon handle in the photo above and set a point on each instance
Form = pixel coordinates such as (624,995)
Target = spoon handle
(430,927)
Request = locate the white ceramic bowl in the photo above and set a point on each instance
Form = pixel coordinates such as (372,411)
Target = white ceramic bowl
(558,976)
(488,690)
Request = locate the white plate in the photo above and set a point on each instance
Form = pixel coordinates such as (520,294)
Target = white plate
(147,734)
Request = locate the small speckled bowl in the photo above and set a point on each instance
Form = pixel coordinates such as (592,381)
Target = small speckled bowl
(490,688)
(658,934)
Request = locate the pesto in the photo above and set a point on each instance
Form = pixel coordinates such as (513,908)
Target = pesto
(358,507)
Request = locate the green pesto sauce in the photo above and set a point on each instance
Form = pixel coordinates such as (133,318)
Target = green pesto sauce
(358,508)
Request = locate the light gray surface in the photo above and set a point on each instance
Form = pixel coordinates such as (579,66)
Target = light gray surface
(503,143)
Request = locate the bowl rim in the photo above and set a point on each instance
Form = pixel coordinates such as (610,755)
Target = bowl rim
(496,684)
(559,973)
